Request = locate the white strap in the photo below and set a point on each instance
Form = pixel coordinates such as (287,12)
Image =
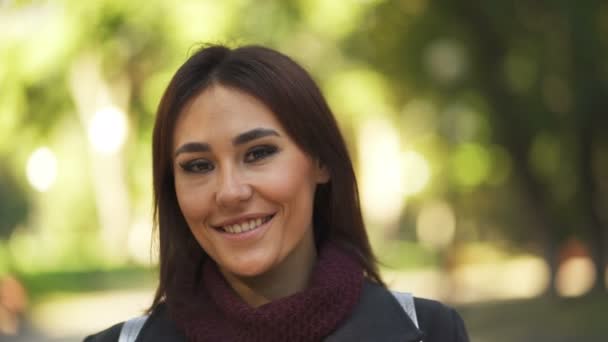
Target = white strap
(406,300)
(130,329)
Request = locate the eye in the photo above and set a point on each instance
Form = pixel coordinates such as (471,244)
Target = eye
(259,152)
(197,166)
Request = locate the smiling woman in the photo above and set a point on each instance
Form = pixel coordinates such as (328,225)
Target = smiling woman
(247,195)
(260,229)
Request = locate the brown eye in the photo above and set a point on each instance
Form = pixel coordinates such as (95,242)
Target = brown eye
(259,152)
(197,166)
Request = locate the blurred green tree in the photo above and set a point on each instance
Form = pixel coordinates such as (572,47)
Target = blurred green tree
(15,203)
(513,94)
(538,72)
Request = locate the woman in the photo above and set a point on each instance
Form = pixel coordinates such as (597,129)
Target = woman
(260,229)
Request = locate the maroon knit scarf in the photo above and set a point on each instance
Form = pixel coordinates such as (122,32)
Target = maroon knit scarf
(216,313)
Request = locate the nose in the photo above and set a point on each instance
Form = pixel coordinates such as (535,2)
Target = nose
(232,190)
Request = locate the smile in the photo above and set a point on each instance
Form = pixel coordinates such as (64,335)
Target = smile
(245,226)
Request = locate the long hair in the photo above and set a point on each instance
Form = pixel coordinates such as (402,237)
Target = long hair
(296,101)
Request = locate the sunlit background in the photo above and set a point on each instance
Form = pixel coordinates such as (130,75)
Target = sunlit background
(477,129)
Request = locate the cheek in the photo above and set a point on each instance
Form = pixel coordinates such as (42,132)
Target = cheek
(292,186)
(191,200)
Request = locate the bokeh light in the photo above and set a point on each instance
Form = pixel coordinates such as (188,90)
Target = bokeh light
(416,172)
(544,156)
(108,130)
(575,276)
(388,175)
(382,177)
(41,169)
(521,277)
(446,60)
(471,163)
(366,91)
(520,71)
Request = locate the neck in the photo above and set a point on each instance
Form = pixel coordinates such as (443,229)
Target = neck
(286,279)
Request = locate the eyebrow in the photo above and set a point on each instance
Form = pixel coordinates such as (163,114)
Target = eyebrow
(240,139)
(193,147)
(253,134)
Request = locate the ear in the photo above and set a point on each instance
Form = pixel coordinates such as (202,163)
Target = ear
(322,175)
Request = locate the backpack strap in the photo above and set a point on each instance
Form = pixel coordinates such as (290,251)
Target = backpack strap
(131,328)
(406,300)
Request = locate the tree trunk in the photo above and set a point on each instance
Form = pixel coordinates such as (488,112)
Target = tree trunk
(590,101)
(514,134)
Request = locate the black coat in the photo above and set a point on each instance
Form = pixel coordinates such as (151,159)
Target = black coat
(378,317)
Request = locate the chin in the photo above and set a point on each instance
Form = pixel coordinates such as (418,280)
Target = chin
(250,269)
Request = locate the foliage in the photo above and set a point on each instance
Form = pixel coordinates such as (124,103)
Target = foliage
(505,100)
(15,204)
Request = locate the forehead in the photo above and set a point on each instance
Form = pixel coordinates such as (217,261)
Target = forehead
(222,112)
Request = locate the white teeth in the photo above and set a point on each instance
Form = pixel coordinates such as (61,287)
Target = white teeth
(243,227)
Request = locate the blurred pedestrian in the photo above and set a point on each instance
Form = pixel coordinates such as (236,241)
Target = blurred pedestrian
(13,302)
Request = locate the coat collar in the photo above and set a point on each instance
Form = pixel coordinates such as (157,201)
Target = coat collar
(377,317)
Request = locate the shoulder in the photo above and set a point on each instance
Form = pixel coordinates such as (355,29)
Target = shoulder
(377,317)
(109,335)
(439,322)
(436,321)
(157,327)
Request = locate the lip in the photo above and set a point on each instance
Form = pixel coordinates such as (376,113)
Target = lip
(241,219)
(250,235)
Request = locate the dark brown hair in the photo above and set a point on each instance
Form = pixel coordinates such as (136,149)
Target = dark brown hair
(291,94)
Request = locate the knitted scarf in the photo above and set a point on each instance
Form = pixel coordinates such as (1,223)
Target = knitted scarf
(214,312)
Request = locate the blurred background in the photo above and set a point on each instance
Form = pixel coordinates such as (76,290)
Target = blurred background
(476,129)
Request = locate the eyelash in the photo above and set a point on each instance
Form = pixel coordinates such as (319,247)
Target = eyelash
(260,152)
(195,166)
(254,155)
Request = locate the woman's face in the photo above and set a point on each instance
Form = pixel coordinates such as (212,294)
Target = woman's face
(244,187)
